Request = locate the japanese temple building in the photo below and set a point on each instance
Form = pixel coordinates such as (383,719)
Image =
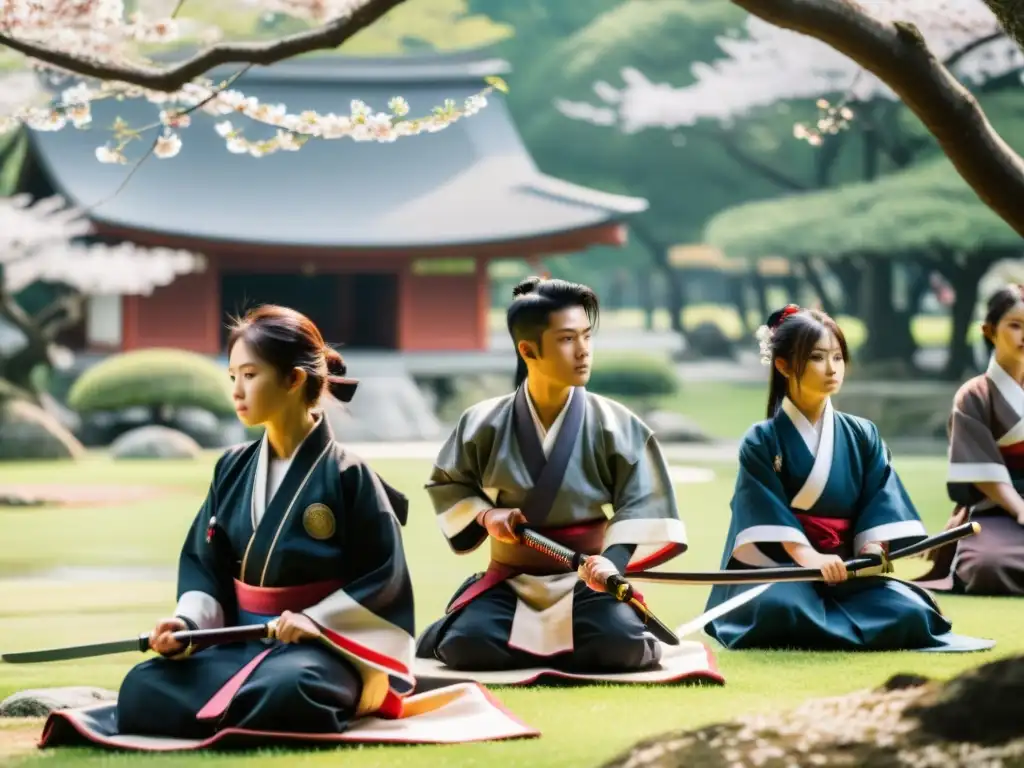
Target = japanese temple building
(384,246)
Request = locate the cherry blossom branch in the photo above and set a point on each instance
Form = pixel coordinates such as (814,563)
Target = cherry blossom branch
(897,54)
(173,78)
(170,142)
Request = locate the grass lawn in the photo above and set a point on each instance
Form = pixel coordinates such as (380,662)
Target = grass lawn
(36,613)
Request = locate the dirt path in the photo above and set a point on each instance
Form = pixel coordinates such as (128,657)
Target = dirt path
(19,736)
(78,495)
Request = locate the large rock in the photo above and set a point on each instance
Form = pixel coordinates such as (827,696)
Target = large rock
(154,442)
(385,408)
(41,702)
(907,409)
(973,720)
(672,427)
(29,432)
(709,341)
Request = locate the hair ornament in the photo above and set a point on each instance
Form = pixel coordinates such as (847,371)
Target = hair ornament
(343,387)
(765,333)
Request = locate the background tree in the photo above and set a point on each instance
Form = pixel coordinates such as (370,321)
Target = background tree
(762,76)
(49,242)
(927,215)
(897,53)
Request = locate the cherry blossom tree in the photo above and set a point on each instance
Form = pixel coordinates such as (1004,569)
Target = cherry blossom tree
(764,64)
(42,241)
(88,50)
(764,68)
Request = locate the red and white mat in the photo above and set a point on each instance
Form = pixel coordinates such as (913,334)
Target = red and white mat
(454,714)
(686,662)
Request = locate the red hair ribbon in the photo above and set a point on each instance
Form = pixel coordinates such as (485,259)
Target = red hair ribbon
(789,309)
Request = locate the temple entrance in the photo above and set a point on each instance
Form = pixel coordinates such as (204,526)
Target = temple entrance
(353,311)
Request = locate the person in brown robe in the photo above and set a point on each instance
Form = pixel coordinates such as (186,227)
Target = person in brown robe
(986,464)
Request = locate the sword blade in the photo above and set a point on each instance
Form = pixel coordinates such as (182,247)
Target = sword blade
(857,567)
(696,625)
(77,651)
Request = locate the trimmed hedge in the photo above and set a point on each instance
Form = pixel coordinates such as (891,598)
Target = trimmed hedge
(633,376)
(153,378)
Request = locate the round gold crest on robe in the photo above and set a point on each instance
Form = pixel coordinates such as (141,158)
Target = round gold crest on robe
(318,520)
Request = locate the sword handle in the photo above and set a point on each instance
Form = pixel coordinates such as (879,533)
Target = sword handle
(200,639)
(617,586)
(570,559)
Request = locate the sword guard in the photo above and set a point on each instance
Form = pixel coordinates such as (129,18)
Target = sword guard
(621,589)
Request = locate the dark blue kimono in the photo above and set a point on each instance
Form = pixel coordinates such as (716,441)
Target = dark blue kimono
(328,544)
(832,488)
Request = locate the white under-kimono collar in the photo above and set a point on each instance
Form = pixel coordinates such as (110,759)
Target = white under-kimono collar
(259,489)
(820,440)
(1008,387)
(548,437)
(811,433)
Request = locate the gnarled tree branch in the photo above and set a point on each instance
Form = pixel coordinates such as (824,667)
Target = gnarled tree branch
(897,54)
(172,78)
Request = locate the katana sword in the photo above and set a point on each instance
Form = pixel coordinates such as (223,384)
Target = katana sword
(192,639)
(855,567)
(858,567)
(617,586)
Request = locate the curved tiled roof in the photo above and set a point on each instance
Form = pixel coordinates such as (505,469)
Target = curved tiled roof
(472,183)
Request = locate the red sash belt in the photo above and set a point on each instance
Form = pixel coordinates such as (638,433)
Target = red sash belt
(585,537)
(1013,455)
(273,601)
(828,535)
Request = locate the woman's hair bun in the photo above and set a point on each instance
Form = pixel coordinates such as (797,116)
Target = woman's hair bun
(335,362)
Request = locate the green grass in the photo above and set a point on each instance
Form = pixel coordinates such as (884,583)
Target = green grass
(35,614)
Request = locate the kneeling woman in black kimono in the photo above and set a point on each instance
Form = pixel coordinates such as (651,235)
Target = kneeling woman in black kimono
(295,529)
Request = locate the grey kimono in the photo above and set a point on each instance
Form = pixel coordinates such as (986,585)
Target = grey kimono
(525,609)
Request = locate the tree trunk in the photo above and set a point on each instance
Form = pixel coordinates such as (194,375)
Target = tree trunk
(646,296)
(760,286)
(965,278)
(816,282)
(899,56)
(675,297)
(739,297)
(17,369)
(848,271)
(888,332)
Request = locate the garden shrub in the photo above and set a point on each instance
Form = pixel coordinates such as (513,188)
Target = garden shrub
(153,378)
(639,376)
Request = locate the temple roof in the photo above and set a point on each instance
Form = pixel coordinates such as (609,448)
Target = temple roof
(471,183)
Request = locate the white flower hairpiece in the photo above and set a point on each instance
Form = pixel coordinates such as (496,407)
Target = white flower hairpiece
(764,340)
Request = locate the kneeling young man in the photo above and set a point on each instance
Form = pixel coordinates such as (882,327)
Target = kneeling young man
(551,456)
